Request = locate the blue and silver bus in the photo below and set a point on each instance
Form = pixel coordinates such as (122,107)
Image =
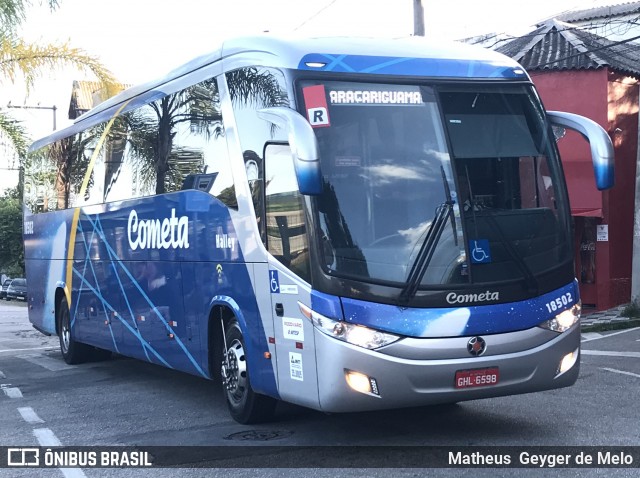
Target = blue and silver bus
(344,224)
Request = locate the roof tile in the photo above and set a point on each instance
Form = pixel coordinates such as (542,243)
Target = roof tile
(562,46)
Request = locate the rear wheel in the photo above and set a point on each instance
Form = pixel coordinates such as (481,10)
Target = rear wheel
(72,352)
(245,405)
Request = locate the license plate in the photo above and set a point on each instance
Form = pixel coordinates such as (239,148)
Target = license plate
(479,377)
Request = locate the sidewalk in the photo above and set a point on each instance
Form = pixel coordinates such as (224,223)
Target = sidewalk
(604,319)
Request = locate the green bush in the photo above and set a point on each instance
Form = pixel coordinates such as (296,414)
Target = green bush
(632,309)
(11,245)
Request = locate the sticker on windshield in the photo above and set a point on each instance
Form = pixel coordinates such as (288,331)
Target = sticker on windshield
(348,161)
(315,100)
(480,251)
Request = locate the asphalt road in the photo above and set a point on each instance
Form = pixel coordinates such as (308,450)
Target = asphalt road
(126,402)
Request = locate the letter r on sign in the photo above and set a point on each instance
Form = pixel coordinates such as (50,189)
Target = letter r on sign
(315,100)
(318,116)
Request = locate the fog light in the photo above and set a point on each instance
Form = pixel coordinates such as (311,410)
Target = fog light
(362,383)
(568,361)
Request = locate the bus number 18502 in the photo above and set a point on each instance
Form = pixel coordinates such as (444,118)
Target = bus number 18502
(560,302)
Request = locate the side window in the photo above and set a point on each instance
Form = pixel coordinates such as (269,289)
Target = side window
(251,89)
(43,170)
(176,142)
(54,175)
(206,130)
(133,175)
(287,238)
(83,152)
(254,166)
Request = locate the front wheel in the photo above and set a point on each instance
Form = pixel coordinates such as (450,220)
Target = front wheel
(245,405)
(72,352)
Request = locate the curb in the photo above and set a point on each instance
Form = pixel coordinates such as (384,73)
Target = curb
(616,323)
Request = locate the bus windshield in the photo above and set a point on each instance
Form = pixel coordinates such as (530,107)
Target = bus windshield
(436,185)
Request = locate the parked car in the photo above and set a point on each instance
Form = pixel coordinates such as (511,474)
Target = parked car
(17,289)
(5,286)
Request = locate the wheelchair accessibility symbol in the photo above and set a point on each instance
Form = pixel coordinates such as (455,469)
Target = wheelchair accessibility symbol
(274,282)
(480,251)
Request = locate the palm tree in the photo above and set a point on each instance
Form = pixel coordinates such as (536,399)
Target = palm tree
(252,86)
(194,105)
(27,62)
(151,130)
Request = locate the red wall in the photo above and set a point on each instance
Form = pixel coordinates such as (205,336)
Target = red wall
(612,101)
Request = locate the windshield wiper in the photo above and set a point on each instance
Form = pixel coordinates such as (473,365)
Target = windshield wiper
(428,247)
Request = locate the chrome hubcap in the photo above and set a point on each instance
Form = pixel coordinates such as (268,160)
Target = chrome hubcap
(66,334)
(234,371)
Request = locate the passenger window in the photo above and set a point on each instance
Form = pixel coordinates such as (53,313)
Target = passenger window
(176,142)
(250,90)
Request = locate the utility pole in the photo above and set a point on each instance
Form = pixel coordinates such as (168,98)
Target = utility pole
(418,18)
(53,108)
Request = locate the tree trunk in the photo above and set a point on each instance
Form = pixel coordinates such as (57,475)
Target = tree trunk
(163,146)
(62,151)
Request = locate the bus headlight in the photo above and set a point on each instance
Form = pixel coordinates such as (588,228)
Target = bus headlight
(354,334)
(564,320)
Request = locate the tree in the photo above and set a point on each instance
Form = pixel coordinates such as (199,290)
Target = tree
(193,105)
(24,61)
(11,251)
(150,133)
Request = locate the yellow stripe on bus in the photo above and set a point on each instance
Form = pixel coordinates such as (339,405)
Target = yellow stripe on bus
(76,212)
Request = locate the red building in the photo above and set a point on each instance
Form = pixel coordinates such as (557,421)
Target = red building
(582,73)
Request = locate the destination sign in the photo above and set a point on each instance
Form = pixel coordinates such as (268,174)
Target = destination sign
(375,97)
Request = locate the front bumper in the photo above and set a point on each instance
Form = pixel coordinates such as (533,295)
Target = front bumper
(403,382)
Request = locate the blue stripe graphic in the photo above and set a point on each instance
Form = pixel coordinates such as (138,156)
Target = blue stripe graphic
(135,331)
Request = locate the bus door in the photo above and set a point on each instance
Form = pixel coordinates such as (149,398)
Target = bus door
(287,242)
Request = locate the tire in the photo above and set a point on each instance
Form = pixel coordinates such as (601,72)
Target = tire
(245,405)
(72,352)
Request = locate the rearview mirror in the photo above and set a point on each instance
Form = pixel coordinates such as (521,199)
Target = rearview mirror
(304,147)
(601,147)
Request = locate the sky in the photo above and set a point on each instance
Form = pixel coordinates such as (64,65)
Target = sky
(139,40)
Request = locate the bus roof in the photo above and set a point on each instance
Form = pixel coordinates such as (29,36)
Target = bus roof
(410,56)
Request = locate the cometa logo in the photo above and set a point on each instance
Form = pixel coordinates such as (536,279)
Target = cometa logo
(170,232)
(487,296)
